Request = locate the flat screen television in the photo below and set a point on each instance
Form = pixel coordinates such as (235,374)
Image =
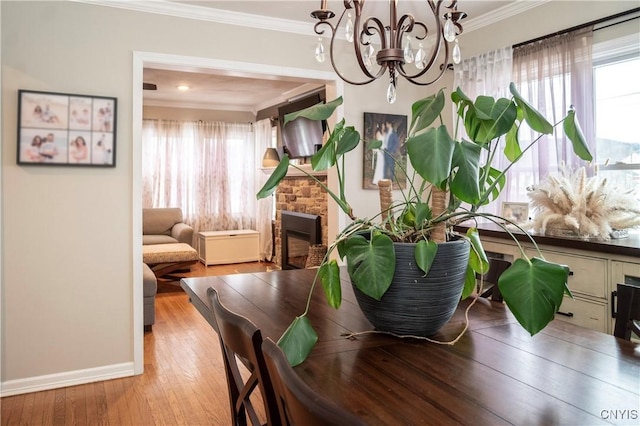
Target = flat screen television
(301,137)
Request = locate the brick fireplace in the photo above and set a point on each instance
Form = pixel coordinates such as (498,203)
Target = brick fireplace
(300,194)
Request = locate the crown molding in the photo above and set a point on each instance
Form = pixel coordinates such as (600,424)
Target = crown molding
(502,13)
(221,16)
(202,13)
(196,105)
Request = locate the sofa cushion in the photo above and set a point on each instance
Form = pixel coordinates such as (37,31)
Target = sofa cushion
(158,239)
(159,221)
(149,282)
(168,253)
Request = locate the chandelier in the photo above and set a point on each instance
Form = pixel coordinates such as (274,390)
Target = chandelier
(396,49)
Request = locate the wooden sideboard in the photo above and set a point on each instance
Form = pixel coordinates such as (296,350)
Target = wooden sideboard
(596,267)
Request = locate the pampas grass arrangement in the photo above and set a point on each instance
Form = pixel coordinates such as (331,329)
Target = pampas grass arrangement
(587,207)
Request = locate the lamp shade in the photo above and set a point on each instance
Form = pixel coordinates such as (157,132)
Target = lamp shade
(271,158)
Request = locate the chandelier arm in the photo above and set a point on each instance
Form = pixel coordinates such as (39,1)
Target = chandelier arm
(371,27)
(402,29)
(418,24)
(443,68)
(434,52)
(390,55)
(319,31)
(453,4)
(334,29)
(370,77)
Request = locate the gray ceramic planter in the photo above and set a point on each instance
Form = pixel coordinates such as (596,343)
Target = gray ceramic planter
(415,304)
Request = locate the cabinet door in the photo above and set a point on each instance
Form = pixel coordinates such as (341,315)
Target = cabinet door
(585,313)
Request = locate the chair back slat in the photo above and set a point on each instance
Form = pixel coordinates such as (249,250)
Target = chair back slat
(300,405)
(628,312)
(241,340)
(490,279)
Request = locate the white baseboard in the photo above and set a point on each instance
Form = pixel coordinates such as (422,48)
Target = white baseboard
(68,378)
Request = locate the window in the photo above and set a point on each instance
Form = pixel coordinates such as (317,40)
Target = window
(617,103)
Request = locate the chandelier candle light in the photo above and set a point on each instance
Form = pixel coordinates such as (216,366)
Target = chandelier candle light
(393,55)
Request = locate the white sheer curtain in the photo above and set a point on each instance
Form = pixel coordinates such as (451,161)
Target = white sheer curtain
(554,74)
(206,168)
(487,74)
(264,207)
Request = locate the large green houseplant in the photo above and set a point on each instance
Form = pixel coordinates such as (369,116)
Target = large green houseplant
(450,180)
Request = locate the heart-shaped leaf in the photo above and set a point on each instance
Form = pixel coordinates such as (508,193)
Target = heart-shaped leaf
(374,144)
(469,283)
(532,116)
(276,176)
(465,186)
(512,148)
(371,263)
(425,254)
(425,111)
(431,154)
(326,157)
(533,291)
(574,133)
(477,257)
(494,183)
(329,274)
(423,213)
(298,340)
(349,139)
(315,112)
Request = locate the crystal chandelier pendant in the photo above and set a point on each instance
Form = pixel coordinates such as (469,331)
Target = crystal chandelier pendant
(367,56)
(391,90)
(408,52)
(449,30)
(391,93)
(456,56)
(421,57)
(348,29)
(320,56)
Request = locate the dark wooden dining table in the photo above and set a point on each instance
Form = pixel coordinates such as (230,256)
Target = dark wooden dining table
(495,374)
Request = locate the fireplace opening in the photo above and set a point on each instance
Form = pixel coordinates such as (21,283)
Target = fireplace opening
(298,232)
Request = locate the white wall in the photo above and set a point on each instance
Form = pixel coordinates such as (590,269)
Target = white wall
(67,280)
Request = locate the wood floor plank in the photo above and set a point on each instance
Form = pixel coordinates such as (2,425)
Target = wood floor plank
(183,382)
(14,408)
(59,410)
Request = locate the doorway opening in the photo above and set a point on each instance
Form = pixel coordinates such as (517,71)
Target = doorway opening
(143,60)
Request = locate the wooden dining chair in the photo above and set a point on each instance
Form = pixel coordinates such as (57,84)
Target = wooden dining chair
(300,405)
(490,279)
(241,339)
(628,312)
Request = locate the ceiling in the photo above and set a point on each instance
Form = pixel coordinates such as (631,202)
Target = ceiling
(208,90)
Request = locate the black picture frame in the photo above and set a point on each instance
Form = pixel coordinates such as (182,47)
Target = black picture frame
(62,129)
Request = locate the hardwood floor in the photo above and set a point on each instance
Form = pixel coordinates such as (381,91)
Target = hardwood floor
(183,381)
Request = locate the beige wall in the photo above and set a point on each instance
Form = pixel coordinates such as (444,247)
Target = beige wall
(68,232)
(67,239)
(192,114)
(552,16)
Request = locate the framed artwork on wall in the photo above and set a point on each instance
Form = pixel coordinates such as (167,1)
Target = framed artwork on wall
(58,129)
(391,158)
